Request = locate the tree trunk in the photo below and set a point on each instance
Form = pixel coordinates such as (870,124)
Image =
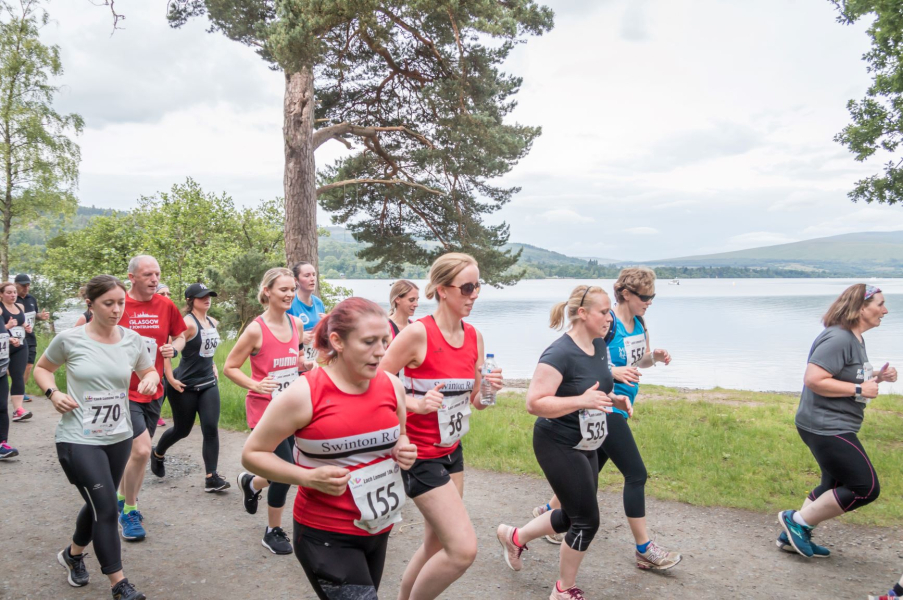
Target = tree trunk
(300,178)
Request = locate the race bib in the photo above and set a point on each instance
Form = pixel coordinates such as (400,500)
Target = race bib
(150,344)
(29,318)
(283,378)
(105,413)
(454,419)
(593,429)
(4,346)
(310,353)
(379,495)
(868,373)
(209,342)
(634,348)
(17,332)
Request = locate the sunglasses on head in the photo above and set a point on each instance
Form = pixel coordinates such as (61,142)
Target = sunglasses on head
(467,289)
(643,297)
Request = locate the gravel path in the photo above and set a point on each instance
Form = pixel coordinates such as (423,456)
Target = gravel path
(203,546)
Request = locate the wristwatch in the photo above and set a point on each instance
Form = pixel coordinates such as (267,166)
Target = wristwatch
(50,391)
(858,390)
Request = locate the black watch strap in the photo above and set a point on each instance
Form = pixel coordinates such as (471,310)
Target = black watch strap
(858,390)
(50,391)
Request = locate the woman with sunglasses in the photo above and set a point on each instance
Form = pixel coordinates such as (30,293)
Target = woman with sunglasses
(442,357)
(838,385)
(629,350)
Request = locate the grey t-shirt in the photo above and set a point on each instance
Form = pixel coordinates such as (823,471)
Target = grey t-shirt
(839,352)
(97,377)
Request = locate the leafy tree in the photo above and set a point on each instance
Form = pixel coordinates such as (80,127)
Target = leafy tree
(50,297)
(877,119)
(237,284)
(418,86)
(38,161)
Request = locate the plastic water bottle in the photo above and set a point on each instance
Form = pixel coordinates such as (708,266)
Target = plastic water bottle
(486,389)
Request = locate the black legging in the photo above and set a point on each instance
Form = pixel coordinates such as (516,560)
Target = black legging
(185,407)
(574,477)
(845,469)
(96,472)
(277,492)
(18,361)
(4,409)
(341,566)
(621,448)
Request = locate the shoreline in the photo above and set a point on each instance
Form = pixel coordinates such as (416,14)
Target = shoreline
(521,385)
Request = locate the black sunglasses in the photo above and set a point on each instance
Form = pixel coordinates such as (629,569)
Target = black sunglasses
(642,297)
(468,288)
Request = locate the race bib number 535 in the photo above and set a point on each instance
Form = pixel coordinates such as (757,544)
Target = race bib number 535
(593,429)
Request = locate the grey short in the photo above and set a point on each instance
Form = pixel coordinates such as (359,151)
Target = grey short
(144,416)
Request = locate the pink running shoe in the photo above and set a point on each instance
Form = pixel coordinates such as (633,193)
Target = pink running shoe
(21,414)
(573,593)
(512,553)
(161,422)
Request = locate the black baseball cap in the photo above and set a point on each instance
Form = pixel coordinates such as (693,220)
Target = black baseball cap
(198,290)
(23,279)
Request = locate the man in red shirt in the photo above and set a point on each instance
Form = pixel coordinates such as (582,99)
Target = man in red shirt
(161,326)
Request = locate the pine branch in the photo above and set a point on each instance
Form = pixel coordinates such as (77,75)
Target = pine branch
(337,184)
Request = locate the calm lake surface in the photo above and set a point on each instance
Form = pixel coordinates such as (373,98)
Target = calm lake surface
(751,334)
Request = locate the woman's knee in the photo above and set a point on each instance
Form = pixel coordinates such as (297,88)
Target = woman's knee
(637,476)
(463,552)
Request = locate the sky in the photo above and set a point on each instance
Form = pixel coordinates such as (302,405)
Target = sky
(670,127)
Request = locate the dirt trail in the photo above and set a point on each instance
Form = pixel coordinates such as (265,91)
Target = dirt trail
(205,546)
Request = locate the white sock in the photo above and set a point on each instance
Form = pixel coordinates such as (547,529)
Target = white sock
(269,529)
(798,518)
(251,485)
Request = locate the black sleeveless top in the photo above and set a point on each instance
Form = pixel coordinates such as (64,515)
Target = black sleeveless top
(196,370)
(20,322)
(88,316)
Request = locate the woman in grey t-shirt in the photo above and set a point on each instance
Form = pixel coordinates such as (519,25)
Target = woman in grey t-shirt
(94,435)
(838,385)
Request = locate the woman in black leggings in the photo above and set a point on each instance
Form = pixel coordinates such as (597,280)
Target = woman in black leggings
(14,318)
(94,435)
(194,390)
(838,385)
(571,394)
(6,451)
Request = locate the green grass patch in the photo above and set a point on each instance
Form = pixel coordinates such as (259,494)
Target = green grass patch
(704,447)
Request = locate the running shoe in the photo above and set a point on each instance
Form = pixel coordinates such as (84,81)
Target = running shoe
(798,535)
(26,399)
(891,595)
(156,463)
(21,414)
(573,593)
(215,483)
(657,558)
(276,541)
(161,422)
(7,451)
(817,551)
(555,538)
(75,565)
(512,552)
(250,497)
(130,527)
(121,505)
(126,591)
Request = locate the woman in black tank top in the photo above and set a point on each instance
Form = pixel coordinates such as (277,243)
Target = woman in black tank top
(14,318)
(193,389)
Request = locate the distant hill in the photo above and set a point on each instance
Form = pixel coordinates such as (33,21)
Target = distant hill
(874,253)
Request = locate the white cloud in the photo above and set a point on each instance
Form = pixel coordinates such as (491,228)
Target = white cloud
(642,231)
(755,239)
(565,215)
(868,218)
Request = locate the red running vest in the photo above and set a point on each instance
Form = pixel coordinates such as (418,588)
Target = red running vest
(455,367)
(273,357)
(351,431)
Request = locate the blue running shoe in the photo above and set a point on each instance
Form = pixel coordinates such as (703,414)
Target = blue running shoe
(817,551)
(800,537)
(130,527)
(121,505)
(7,451)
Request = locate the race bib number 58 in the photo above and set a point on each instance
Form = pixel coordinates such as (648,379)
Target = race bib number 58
(454,419)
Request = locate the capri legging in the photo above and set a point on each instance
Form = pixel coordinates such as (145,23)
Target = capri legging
(574,477)
(341,566)
(621,448)
(18,361)
(185,407)
(96,472)
(846,470)
(277,492)
(4,407)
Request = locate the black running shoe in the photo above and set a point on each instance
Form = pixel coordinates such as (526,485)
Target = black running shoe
(156,463)
(276,541)
(78,574)
(250,497)
(215,483)
(126,591)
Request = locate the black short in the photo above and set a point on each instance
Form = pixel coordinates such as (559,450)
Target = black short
(32,351)
(431,473)
(145,416)
(339,565)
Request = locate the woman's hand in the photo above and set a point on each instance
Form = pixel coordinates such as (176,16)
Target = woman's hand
(404,452)
(594,399)
(889,374)
(622,402)
(11,323)
(148,384)
(307,338)
(494,377)
(870,388)
(329,480)
(28,328)
(16,342)
(266,386)
(63,403)
(175,384)
(626,375)
(431,401)
(661,355)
